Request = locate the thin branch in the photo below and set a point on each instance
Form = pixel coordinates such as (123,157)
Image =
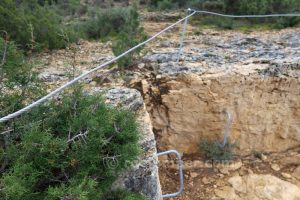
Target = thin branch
(3,58)
(5,49)
(117,131)
(31,45)
(5,160)
(80,136)
(7,131)
(69,136)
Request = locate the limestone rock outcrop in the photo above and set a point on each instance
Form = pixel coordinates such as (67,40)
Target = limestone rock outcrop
(255,76)
(265,112)
(142,177)
(257,187)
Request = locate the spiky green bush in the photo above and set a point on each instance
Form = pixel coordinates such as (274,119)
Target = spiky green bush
(239,7)
(43,155)
(33,26)
(213,150)
(65,150)
(122,26)
(18,82)
(125,41)
(105,22)
(166,5)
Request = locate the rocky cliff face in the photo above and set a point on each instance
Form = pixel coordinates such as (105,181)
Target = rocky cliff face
(255,77)
(265,112)
(142,176)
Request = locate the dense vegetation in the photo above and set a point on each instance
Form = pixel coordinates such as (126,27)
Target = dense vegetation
(36,25)
(64,149)
(18,83)
(232,6)
(121,24)
(33,26)
(63,153)
(237,7)
(61,150)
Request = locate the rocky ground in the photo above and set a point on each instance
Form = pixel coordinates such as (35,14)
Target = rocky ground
(255,177)
(209,55)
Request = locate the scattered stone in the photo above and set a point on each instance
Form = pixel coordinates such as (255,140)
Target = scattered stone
(205,180)
(226,167)
(172,69)
(296,173)
(52,77)
(290,160)
(221,175)
(162,57)
(191,183)
(237,184)
(224,171)
(226,193)
(243,171)
(194,174)
(264,157)
(286,175)
(141,65)
(166,43)
(129,98)
(275,167)
(267,187)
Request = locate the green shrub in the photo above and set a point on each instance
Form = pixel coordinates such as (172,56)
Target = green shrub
(123,25)
(238,7)
(38,158)
(266,7)
(213,150)
(33,26)
(217,22)
(196,4)
(111,22)
(18,82)
(122,43)
(165,5)
(70,7)
(62,150)
(261,6)
(284,22)
(18,85)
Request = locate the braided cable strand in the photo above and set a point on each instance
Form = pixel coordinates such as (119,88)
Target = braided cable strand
(58,90)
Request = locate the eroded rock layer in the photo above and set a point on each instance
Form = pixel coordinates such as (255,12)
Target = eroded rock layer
(265,111)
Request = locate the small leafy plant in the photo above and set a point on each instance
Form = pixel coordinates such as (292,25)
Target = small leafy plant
(213,150)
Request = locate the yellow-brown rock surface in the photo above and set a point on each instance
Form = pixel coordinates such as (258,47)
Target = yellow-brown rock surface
(265,111)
